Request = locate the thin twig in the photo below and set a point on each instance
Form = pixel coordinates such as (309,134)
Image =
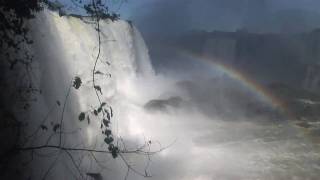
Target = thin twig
(74,163)
(49,169)
(62,114)
(84,149)
(132,169)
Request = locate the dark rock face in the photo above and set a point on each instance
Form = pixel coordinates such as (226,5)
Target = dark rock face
(163,104)
(312,78)
(290,59)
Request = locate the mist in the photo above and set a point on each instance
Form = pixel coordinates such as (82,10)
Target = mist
(222,129)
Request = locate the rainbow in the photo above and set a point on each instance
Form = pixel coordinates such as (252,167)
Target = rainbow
(241,77)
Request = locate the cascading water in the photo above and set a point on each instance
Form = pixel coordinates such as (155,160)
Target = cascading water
(67,47)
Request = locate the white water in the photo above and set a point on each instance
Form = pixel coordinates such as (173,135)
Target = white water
(66,47)
(205,147)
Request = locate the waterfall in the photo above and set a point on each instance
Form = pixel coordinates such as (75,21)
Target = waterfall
(66,47)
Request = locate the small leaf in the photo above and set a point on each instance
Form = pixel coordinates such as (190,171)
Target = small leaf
(98,88)
(43,127)
(95,112)
(56,127)
(108,132)
(110,148)
(77,82)
(115,152)
(81,117)
(98,72)
(108,140)
(103,104)
(99,109)
(105,122)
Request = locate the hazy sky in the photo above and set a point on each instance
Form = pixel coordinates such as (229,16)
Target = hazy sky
(153,15)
